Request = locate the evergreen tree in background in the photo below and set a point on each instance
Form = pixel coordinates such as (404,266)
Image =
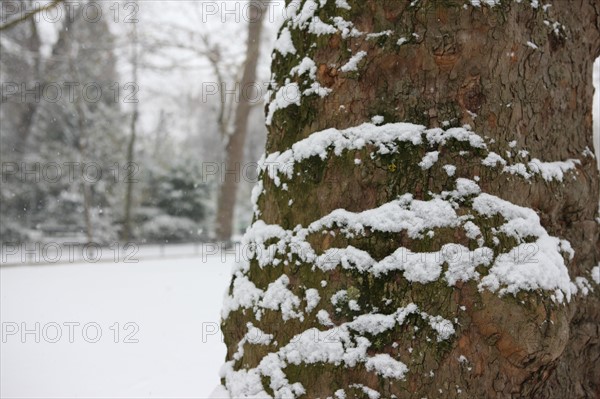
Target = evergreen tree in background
(76,124)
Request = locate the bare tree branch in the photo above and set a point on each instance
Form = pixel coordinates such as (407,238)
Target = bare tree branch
(29,14)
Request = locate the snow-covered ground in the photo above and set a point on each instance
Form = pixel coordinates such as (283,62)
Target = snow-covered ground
(172,305)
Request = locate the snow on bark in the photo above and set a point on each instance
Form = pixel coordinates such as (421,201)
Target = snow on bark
(304,18)
(512,252)
(352,64)
(536,263)
(596,274)
(340,345)
(287,95)
(284,43)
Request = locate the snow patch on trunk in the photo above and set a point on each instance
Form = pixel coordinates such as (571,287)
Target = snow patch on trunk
(534,261)
(340,345)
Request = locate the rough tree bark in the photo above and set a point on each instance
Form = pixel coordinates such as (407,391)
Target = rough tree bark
(519,74)
(234,150)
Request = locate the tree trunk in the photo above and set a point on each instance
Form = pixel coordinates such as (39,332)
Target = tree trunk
(27,110)
(82,139)
(234,150)
(439,279)
(126,234)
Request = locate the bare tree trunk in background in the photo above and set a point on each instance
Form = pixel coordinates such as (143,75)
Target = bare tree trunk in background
(159,133)
(235,145)
(28,115)
(30,68)
(126,234)
(82,137)
(522,84)
(85,187)
(15,139)
(81,147)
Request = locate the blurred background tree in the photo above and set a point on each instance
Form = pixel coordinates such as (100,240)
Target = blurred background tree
(70,105)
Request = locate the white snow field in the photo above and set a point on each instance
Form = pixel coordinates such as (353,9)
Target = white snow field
(173,306)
